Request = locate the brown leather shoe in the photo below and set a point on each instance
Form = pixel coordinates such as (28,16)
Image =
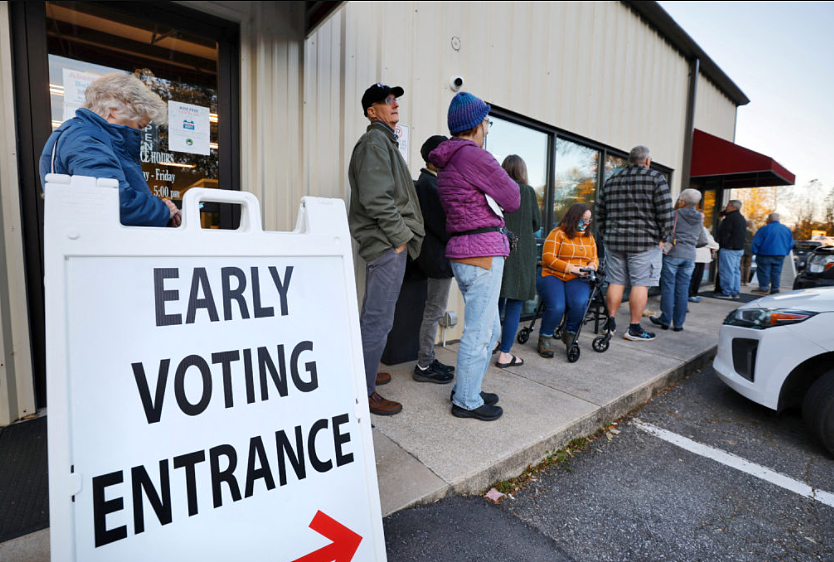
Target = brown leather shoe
(383,378)
(382,407)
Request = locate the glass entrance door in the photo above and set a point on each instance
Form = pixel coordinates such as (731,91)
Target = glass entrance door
(191,59)
(86,41)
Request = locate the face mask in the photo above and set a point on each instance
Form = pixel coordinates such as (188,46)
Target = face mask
(581,226)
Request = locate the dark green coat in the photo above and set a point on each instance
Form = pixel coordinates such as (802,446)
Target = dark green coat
(519,280)
(384,211)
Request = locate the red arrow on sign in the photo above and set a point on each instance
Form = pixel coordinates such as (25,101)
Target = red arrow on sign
(344,545)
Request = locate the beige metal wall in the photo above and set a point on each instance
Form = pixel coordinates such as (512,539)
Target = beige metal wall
(715,113)
(17,396)
(272,136)
(593,69)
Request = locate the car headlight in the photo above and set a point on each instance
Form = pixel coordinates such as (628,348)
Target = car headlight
(761,318)
(820,263)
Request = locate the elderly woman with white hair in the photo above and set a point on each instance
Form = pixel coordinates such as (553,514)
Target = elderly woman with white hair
(679,261)
(103,140)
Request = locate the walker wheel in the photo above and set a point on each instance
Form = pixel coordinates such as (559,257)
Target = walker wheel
(557,335)
(600,344)
(523,335)
(573,353)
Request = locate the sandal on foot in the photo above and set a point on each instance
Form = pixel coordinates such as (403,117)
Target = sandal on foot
(514,362)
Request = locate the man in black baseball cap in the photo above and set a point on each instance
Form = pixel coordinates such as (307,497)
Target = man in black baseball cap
(386,222)
(379,93)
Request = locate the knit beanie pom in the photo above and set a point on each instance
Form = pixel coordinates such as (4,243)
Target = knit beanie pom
(466,112)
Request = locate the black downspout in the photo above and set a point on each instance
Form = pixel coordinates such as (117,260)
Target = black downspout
(694,72)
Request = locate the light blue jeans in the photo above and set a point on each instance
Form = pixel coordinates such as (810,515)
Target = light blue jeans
(674,290)
(481,328)
(729,273)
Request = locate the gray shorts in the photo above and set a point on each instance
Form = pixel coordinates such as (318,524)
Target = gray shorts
(641,269)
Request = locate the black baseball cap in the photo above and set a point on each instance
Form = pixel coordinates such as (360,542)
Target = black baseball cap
(378,92)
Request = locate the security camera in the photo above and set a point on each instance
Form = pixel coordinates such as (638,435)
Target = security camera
(456,83)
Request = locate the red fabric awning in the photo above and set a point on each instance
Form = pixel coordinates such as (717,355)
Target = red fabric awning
(714,157)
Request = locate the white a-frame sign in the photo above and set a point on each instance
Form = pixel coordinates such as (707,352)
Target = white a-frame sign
(206,389)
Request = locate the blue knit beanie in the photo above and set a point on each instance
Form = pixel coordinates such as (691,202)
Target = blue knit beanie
(466,112)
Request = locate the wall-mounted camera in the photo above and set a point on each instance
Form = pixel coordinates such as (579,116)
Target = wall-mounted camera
(456,83)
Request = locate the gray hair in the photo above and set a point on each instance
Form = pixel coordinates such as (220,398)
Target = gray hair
(773,217)
(735,203)
(125,93)
(690,196)
(639,154)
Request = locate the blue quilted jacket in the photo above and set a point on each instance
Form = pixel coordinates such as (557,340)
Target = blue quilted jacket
(90,146)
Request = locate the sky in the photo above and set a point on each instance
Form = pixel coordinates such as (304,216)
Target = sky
(780,55)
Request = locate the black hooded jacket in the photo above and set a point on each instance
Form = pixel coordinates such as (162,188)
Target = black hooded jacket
(432,260)
(731,231)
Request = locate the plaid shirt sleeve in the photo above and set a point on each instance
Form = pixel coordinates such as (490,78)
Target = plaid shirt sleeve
(663,207)
(600,211)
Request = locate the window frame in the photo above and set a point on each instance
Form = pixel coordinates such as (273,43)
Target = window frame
(555,133)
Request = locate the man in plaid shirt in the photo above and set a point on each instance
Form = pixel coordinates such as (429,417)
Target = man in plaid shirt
(634,217)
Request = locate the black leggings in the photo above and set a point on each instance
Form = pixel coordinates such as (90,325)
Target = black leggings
(695,282)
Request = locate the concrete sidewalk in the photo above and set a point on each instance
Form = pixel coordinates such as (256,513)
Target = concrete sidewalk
(424,453)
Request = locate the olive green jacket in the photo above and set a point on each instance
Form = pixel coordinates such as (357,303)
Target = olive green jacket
(384,210)
(519,281)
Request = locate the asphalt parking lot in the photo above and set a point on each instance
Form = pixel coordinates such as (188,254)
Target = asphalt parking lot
(699,473)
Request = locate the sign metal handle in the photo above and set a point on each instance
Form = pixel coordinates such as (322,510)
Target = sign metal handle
(250,213)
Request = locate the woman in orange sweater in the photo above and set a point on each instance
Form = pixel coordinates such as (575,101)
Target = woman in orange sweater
(569,247)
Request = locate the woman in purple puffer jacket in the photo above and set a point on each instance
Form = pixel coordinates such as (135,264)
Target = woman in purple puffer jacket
(473,189)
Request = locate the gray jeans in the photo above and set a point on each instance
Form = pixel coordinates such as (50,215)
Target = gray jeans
(437,295)
(383,280)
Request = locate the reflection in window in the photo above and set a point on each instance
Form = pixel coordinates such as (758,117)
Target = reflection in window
(86,41)
(614,164)
(507,138)
(708,207)
(576,176)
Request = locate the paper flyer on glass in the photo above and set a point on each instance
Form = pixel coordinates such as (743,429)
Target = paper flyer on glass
(188,128)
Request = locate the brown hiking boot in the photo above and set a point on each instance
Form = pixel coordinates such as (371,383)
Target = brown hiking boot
(382,407)
(545,348)
(567,338)
(383,378)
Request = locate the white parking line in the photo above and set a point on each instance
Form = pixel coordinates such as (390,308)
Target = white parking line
(739,463)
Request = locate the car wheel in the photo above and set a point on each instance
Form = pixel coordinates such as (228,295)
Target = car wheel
(818,409)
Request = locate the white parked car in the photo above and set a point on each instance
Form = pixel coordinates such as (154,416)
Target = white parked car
(778,351)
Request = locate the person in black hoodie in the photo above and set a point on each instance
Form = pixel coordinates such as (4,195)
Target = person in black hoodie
(731,240)
(679,263)
(433,263)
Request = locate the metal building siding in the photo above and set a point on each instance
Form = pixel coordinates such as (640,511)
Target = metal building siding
(594,69)
(271,126)
(17,391)
(714,112)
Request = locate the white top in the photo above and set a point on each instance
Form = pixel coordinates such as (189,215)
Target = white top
(704,254)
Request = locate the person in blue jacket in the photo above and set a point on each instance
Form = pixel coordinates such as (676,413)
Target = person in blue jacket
(771,244)
(103,141)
